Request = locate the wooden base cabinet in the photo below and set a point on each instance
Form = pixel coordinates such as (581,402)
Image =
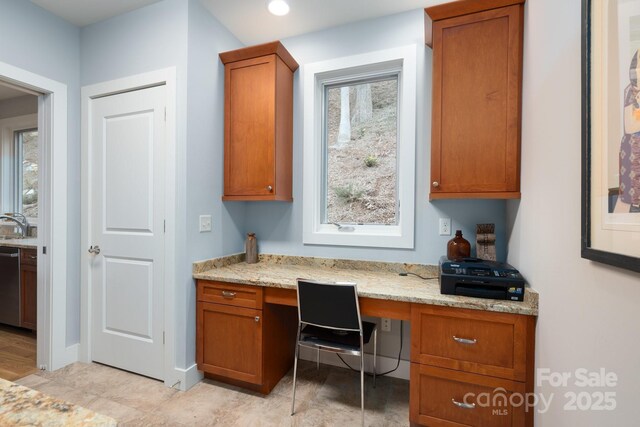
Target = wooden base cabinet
(477,86)
(467,364)
(28,288)
(241,341)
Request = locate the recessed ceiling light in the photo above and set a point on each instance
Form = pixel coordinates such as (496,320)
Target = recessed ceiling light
(278,7)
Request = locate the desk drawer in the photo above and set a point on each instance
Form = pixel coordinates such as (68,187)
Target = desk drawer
(441,397)
(470,340)
(230,294)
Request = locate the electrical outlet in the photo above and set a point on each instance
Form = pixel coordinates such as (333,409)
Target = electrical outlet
(205,223)
(386,325)
(445,226)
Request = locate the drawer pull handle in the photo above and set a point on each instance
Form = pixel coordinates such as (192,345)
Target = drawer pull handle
(465,340)
(227,294)
(464,405)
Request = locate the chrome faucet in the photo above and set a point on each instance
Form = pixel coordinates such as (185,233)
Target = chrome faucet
(19,219)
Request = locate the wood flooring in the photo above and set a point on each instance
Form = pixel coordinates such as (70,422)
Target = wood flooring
(17,353)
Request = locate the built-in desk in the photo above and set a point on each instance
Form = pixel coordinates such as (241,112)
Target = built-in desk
(246,326)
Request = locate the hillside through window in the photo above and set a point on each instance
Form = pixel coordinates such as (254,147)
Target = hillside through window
(360,127)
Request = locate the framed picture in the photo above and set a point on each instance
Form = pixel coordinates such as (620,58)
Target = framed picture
(611,132)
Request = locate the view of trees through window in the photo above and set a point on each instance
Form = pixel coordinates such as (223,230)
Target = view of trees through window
(361,159)
(27,142)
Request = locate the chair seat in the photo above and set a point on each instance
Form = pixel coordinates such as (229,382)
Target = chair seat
(344,340)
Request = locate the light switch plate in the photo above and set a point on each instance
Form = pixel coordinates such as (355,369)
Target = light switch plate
(386,325)
(445,226)
(205,223)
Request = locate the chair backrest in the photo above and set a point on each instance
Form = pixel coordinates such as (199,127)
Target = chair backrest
(329,305)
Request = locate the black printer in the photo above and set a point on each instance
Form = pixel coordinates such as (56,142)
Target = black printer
(474,277)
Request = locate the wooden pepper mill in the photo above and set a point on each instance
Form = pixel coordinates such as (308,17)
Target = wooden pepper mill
(251,249)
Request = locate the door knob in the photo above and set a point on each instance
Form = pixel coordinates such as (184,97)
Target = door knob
(95,250)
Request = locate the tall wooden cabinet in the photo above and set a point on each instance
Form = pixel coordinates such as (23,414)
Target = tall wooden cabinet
(258,123)
(28,288)
(477,86)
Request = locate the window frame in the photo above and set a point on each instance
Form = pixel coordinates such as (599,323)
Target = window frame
(400,61)
(9,158)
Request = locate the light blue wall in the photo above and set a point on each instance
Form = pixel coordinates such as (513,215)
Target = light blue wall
(148,39)
(205,136)
(279,225)
(37,41)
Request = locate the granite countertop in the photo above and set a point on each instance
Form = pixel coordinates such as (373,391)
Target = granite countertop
(374,279)
(22,406)
(28,243)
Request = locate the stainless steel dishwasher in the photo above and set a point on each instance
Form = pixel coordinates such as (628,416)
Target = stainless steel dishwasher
(10,286)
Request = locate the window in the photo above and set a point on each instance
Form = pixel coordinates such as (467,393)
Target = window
(19,166)
(26,167)
(359,150)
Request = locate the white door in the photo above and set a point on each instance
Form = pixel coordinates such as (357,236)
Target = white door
(127,135)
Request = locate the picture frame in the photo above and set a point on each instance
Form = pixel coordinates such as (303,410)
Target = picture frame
(611,132)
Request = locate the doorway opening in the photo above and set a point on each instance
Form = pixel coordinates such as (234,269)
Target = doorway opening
(20,157)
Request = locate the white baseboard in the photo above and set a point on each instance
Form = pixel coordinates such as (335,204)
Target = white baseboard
(186,378)
(384,363)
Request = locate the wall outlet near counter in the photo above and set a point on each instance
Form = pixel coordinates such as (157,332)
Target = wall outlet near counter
(445,227)
(386,325)
(205,223)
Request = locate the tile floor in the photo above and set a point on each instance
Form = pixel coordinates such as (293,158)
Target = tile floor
(17,352)
(325,397)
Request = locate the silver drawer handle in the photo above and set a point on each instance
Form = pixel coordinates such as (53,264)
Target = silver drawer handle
(228,294)
(465,340)
(464,405)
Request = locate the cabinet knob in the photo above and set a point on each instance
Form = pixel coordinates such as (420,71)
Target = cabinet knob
(436,184)
(257,318)
(269,188)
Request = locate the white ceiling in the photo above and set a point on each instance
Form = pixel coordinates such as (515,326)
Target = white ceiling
(7,92)
(85,12)
(248,20)
(251,22)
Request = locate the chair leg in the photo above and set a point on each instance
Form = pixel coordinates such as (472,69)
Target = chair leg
(375,354)
(362,378)
(295,374)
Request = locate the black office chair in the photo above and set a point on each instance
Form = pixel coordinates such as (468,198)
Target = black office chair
(329,320)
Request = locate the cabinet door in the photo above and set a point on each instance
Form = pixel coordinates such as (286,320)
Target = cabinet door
(249,151)
(476,104)
(29,296)
(229,341)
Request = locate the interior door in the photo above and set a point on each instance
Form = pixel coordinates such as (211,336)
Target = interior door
(127,133)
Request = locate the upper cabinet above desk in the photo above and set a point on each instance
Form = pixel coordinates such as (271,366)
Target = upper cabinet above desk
(477,86)
(258,123)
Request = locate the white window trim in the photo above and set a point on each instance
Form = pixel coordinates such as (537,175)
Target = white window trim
(8,128)
(366,65)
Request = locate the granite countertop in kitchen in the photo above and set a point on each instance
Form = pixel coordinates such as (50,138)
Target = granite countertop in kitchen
(27,243)
(22,406)
(374,279)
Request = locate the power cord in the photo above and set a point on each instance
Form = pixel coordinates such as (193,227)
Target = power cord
(417,275)
(383,373)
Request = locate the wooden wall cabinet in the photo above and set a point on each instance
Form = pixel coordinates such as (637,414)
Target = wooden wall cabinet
(241,341)
(28,288)
(477,87)
(258,123)
(457,354)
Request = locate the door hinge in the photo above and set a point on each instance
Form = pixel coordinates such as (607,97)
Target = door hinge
(44,250)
